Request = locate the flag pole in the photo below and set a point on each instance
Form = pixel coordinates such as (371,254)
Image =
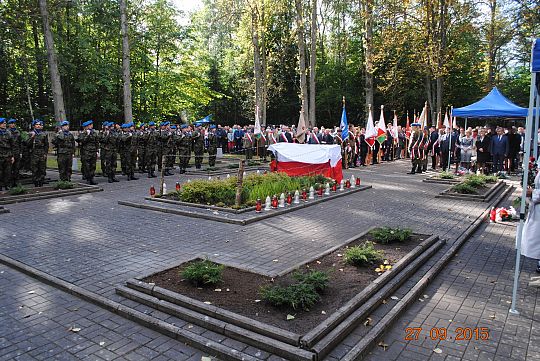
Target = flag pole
(346,165)
(450,140)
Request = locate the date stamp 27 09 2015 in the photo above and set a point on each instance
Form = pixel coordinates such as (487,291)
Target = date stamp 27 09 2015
(444,333)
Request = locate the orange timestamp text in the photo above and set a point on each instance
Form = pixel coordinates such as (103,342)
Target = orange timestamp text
(443,333)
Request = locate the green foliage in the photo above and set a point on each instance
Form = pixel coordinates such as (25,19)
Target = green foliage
(318,279)
(297,296)
(209,191)
(464,188)
(446,175)
(386,235)
(63,185)
(476,181)
(363,255)
(17,190)
(203,272)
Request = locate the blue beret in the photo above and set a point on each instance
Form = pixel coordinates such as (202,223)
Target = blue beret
(416,125)
(173,126)
(112,124)
(165,123)
(142,125)
(106,124)
(11,121)
(2,120)
(37,121)
(87,123)
(65,122)
(183,126)
(212,127)
(124,126)
(151,124)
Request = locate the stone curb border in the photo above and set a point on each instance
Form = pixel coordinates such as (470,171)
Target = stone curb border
(190,338)
(3,210)
(441,181)
(50,194)
(231,171)
(217,325)
(474,197)
(245,221)
(400,270)
(361,349)
(197,205)
(338,325)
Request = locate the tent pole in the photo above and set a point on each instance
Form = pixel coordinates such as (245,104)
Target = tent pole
(466,123)
(527,151)
(536,125)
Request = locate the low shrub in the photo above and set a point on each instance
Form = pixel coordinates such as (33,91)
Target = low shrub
(476,181)
(297,296)
(464,188)
(446,175)
(203,272)
(63,185)
(17,190)
(363,255)
(318,279)
(389,235)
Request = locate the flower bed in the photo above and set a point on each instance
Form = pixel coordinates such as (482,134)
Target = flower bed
(222,192)
(304,297)
(475,188)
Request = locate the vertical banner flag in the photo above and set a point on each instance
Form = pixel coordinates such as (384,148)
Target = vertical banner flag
(381,127)
(301,129)
(423,117)
(395,132)
(446,121)
(371,132)
(408,127)
(344,126)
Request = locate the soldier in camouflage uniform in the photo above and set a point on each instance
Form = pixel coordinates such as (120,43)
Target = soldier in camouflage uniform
(17,150)
(109,146)
(198,146)
(88,140)
(141,148)
(64,142)
(152,144)
(183,144)
(247,143)
(212,146)
(129,147)
(261,145)
(6,155)
(165,137)
(38,143)
(171,154)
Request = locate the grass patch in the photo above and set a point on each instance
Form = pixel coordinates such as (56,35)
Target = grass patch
(363,255)
(63,185)
(386,235)
(203,272)
(17,190)
(302,294)
(464,188)
(446,175)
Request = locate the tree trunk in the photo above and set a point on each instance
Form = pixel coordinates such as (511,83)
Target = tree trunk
(56,85)
(126,75)
(367,10)
(492,51)
(42,101)
(264,80)
(257,69)
(312,65)
(302,57)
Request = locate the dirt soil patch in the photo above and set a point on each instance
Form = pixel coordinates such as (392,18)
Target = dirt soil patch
(239,291)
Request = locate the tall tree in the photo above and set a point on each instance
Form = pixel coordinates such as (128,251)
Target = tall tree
(56,85)
(312,64)
(126,73)
(366,7)
(302,58)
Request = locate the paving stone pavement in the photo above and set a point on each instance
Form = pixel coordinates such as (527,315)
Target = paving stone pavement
(93,242)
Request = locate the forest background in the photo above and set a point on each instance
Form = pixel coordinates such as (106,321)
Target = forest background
(226,56)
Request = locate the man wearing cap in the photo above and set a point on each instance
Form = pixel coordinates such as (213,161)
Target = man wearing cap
(198,146)
(415,150)
(88,140)
(141,147)
(109,146)
(38,142)
(212,145)
(129,147)
(6,155)
(17,150)
(183,143)
(152,144)
(64,142)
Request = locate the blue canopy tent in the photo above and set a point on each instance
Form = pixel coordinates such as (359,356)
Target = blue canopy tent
(493,105)
(531,134)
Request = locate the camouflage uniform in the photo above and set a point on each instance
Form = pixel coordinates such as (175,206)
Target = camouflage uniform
(6,157)
(152,144)
(129,148)
(183,144)
(198,148)
(247,143)
(141,149)
(109,145)
(17,150)
(88,140)
(212,149)
(39,147)
(64,142)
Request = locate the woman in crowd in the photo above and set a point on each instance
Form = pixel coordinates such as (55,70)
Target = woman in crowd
(483,151)
(466,146)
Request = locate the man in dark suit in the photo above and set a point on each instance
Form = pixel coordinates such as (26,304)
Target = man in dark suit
(433,146)
(514,144)
(499,150)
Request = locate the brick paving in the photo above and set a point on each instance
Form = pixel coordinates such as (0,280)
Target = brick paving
(95,243)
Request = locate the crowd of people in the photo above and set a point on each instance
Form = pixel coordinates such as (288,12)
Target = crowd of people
(146,147)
